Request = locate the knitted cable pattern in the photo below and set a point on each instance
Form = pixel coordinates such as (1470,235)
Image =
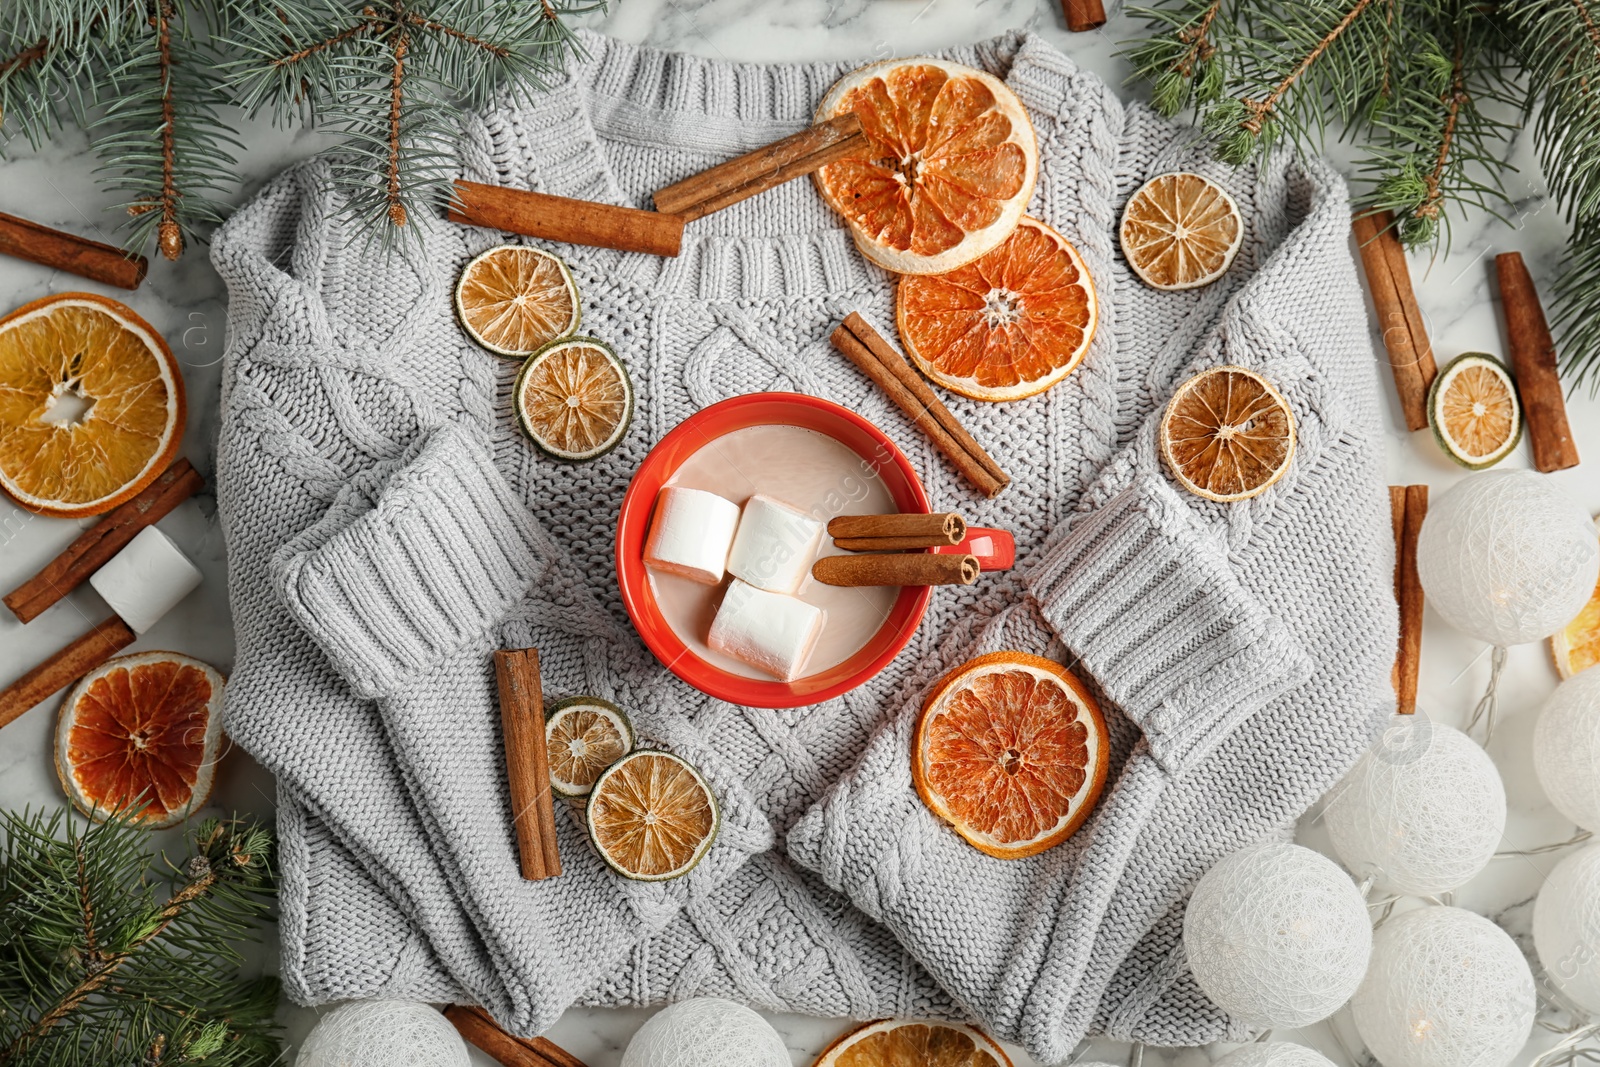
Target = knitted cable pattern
(1239,649)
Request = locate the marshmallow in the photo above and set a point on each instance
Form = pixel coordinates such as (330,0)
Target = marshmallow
(770,631)
(691,534)
(775,545)
(145,579)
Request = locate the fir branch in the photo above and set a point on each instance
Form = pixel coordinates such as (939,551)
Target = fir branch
(1260,111)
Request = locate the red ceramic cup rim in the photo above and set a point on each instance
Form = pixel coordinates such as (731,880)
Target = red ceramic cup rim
(693,434)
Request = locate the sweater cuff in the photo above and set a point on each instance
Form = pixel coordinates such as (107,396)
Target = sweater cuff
(1148,601)
(391,585)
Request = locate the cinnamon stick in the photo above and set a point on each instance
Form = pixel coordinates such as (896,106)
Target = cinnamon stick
(1405,335)
(60,250)
(756,172)
(475,1025)
(893,533)
(897,568)
(559,218)
(1083,14)
(103,540)
(1533,361)
(65,667)
(527,762)
(1408,507)
(890,371)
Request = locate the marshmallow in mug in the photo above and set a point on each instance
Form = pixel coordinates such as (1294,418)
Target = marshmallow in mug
(691,534)
(769,631)
(775,546)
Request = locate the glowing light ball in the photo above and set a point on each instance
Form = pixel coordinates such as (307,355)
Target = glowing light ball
(1421,812)
(383,1033)
(1566,927)
(1446,988)
(1274,1054)
(1507,557)
(1566,749)
(1277,935)
(706,1032)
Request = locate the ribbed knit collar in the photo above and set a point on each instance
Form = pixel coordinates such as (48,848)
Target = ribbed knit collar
(613,94)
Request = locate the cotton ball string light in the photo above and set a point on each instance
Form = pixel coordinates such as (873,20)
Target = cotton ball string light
(1566,928)
(1274,1054)
(706,1032)
(1277,935)
(1421,812)
(1446,988)
(1507,557)
(1566,749)
(383,1033)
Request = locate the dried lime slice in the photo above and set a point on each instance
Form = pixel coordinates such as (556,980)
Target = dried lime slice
(1474,411)
(584,735)
(652,817)
(514,300)
(1227,434)
(574,398)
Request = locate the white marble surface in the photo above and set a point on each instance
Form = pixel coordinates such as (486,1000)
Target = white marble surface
(186,302)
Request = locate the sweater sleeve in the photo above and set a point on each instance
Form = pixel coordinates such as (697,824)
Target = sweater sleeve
(1143,593)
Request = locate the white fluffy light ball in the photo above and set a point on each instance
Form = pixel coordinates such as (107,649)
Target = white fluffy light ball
(1446,988)
(1421,812)
(706,1032)
(1274,1054)
(1277,935)
(383,1033)
(1566,927)
(1507,557)
(1566,749)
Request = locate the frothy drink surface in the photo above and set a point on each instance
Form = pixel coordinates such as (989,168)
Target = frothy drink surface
(814,473)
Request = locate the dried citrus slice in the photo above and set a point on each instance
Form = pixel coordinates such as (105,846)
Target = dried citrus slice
(1474,411)
(901,1043)
(574,398)
(652,816)
(1180,231)
(1576,646)
(91,405)
(1227,434)
(1011,751)
(1010,324)
(584,736)
(143,730)
(946,168)
(514,300)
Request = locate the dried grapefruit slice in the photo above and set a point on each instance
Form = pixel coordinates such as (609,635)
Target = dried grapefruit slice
(144,729)
(1576,646)
(1227,434)
(946,170)
(1474,411)
(584,735)
(91,405)
(1011,751)
(574,399)
(901,1043)
(1010,324)
(652,817)
(1180,231)
(514,300)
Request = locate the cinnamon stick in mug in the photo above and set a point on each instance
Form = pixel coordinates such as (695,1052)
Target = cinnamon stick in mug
(893,533)
(896,568)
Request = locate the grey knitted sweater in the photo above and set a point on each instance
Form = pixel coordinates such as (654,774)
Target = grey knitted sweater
(387,526)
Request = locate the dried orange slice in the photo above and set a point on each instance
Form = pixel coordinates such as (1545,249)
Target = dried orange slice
(141,731)
(584,736)
(1576,646)
(946,170)
(652,817)
(1010,324)
(574,399)
(1474,411)
(1180,231)
(91,405)
(902,1043)
(514,300)
(1011,751)
(1227,434)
